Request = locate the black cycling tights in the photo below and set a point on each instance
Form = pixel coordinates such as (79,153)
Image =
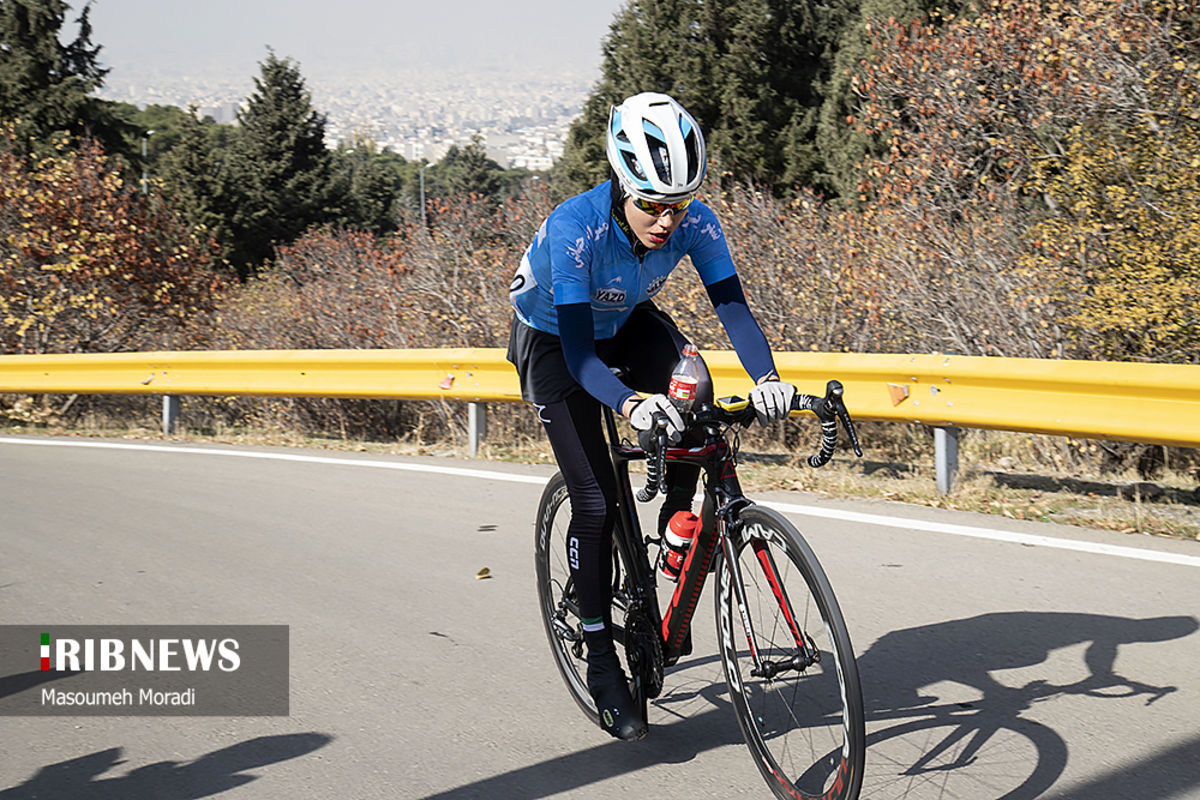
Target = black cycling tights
(575,429)
(574,426)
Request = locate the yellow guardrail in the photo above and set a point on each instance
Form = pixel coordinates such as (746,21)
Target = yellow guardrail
(1152,403)
(454,374)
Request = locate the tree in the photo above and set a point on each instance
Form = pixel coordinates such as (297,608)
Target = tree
(752,72)
(842,146)
(197,177)
(281,165)
(468,170)
(368,184)
(1040,154)
(86,265)
(45,85)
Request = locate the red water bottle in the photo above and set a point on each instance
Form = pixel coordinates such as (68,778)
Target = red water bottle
(677,540)
(685,379)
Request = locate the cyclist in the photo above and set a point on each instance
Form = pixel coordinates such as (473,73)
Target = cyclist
(583,301)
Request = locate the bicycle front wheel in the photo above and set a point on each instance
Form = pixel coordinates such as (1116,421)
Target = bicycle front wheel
(792,677)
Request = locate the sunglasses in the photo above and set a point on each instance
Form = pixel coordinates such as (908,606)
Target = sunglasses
(658,209)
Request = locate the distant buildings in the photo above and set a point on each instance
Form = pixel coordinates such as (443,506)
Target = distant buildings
(523,119)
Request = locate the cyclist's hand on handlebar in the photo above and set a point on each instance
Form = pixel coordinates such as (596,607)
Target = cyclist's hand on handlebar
(655,410)
(772,400)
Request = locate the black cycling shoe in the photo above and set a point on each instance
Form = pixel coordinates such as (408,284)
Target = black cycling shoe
(619,716)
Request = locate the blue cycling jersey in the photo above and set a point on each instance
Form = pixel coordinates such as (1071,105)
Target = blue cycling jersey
(580,255)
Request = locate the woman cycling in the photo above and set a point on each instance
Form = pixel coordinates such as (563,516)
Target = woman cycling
(583,300)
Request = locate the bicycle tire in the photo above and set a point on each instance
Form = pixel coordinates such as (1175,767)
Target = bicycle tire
(805,728)
(556,600)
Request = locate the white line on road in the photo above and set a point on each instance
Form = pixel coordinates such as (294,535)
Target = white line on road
(1011,537)
(987,533)
(341,462)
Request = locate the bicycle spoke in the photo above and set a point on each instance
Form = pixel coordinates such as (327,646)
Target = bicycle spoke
(560,614)
(798,703)
(558,605)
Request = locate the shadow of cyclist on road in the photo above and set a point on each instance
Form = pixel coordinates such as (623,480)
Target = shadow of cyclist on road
(967,651)
(215,772)
(965,748)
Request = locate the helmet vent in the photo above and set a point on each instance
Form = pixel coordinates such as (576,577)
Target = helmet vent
(660,158)
(692,148)
(632,164)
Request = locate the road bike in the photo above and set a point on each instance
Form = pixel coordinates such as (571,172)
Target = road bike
(783,642)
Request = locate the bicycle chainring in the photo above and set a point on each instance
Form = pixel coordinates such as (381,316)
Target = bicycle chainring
(643,650)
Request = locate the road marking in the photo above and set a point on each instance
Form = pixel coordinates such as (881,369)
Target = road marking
(341,462)
(987,533)
(992,534)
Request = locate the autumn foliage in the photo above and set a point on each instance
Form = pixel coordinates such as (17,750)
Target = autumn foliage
(86,265)
(1041,155)
(1032,189)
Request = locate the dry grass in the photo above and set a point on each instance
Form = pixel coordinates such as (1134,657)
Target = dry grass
(986,488)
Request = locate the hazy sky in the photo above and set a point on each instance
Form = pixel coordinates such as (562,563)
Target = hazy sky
(222,37)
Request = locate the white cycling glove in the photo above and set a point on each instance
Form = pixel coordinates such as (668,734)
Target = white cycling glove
(642,416)
(772,400)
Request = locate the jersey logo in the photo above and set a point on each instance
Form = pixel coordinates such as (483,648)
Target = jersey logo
(609,295)
(576,252)
(655,285)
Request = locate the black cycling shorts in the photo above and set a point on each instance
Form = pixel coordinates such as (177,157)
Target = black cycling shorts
(646,349)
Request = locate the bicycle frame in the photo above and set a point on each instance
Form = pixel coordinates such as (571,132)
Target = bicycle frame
(723,499)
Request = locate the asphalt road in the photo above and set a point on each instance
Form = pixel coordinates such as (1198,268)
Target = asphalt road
(999,658)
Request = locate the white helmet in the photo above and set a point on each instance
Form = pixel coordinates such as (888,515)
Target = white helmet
(655,147)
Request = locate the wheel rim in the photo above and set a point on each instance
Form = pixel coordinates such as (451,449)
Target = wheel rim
(555,596)
(800,725)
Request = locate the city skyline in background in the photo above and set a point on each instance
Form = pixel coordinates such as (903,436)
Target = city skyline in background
(416,78)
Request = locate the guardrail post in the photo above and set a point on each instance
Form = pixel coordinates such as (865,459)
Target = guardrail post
(170,414)
(945,446)
(476,426)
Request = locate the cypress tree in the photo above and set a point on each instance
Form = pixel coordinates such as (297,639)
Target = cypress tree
(470,171)
(752,72)
(280,163)
(368,185)
(45,84)
(198,176)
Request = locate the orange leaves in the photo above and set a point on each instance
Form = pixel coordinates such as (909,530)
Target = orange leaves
(84,265)
(943,86)
(446,286)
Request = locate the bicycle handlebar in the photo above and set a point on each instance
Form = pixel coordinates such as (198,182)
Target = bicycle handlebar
(830,410)
(656,464)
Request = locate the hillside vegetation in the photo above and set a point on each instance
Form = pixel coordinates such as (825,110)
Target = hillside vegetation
(993,177)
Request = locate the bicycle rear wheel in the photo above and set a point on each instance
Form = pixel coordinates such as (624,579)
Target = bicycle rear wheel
(560,610)
(803,724)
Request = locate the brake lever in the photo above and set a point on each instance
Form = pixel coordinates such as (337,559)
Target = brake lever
(655,445)
(833,398)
